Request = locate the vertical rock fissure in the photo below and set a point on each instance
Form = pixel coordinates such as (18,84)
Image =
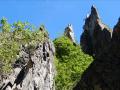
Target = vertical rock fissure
(35,68)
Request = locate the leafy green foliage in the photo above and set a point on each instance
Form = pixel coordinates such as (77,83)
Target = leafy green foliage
(5,26)
(70,62)
(12,37)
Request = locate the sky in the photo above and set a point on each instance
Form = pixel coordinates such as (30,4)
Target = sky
(57,14)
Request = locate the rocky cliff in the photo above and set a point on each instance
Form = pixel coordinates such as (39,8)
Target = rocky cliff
(33,70)
(96,36)
(98,41)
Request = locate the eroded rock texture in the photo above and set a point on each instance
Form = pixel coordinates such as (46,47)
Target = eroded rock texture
(104,71)
(33,70)
(96,36)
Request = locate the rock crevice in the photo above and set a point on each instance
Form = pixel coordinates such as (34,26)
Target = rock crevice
(33,70)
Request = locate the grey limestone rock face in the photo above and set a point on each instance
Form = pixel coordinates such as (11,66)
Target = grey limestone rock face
(33,70)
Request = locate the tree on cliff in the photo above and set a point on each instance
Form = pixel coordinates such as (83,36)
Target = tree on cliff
(5,25)
(12,36)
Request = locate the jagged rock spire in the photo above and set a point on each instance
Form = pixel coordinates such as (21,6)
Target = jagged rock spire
(91,20)
(103,73)
(118,23)
(69,32)
(94,11)
(96,35)
(116,32)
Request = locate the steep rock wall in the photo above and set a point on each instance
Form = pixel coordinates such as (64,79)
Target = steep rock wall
(104,71)
(96,35)
(33,70)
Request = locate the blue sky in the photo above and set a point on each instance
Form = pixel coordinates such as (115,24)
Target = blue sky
(56,14)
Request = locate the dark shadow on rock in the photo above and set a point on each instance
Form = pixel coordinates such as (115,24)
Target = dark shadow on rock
(104,72)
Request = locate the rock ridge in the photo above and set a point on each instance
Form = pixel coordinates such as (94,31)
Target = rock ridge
(104,45)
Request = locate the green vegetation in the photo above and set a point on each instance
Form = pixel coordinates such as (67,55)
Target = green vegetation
(12,37)
(70,62)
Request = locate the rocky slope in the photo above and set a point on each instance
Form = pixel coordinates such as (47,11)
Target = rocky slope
(96,40)
(33,70)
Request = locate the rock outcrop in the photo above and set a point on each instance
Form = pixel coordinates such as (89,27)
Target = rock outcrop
(104,72)
(33,70)
(96,36)
(69,33)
